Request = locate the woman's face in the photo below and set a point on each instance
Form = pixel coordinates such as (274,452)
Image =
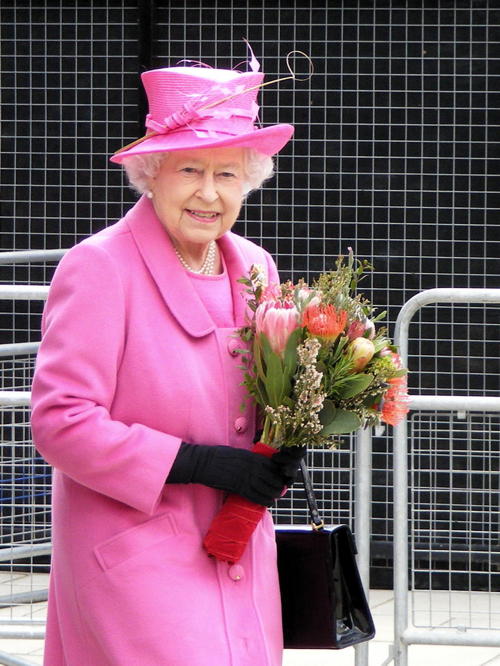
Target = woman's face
(197,195)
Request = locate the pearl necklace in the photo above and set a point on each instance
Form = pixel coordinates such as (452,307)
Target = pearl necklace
(207,267)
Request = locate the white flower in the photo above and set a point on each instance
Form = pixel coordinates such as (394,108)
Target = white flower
(258,275)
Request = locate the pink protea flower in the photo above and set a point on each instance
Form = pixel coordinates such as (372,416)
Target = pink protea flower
(362,351)
(370,329)
(356,329)
(359,328)
(277,321)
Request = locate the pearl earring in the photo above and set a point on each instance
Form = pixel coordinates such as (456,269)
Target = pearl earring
(149,194)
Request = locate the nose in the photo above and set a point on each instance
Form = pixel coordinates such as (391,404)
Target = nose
(208,188)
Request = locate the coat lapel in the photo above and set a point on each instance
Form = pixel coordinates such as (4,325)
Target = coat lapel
(237,266)
(172,280)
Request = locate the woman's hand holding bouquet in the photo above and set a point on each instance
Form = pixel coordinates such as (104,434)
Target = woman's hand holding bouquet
(317,366)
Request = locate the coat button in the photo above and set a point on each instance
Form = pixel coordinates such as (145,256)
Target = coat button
(236,572)
(233,345)
(241,424)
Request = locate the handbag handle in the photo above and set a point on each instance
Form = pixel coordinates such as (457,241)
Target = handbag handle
(316,520)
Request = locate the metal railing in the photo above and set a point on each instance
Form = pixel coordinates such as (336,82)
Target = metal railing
(23,292)
(404,635)
(12,553)
(31,256)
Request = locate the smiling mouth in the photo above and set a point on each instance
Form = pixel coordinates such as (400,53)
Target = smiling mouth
(206,215)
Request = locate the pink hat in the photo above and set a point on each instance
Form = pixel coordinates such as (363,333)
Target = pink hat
(200,107)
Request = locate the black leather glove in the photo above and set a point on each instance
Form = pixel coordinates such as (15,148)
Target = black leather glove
(289,461)
(250,475)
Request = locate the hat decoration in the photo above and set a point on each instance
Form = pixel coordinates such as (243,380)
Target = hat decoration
(214,107)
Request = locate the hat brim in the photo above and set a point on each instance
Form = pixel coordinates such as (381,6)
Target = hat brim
(267,140)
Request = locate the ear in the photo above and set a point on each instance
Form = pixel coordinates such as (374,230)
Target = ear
(151,171)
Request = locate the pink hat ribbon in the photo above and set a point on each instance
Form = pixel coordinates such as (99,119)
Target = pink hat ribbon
(190,111)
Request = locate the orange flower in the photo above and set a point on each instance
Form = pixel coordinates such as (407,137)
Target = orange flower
(395,404)
(324,321)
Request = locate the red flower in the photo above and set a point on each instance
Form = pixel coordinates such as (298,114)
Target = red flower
(395,405)
(324,321)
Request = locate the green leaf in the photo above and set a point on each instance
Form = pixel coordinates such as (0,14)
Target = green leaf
(351,386)
(343,423)
(290,355)
(371,400)
(327,413)
(379,317)
(380,343)
(242,351)
(261,393)
(258,359)
(266,347)
(246,335)
(338,348)
(274,379)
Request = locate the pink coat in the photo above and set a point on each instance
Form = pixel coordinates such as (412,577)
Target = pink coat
(130,365)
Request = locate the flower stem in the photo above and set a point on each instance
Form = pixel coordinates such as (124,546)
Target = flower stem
(269,433)
(265,432)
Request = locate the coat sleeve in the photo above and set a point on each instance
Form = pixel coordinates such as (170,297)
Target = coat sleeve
(83,335)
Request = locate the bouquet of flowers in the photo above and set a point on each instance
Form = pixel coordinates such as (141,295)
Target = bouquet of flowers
(317,366)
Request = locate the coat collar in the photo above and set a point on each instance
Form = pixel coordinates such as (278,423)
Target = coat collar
(172,280)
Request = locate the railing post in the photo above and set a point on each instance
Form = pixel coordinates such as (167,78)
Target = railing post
(400,558)
(362,516)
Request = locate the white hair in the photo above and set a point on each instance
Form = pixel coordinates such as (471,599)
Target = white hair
(142,169)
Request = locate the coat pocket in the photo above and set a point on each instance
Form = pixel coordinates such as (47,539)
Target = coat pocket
(135,540)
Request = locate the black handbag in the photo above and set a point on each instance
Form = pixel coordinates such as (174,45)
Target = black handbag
(322,597)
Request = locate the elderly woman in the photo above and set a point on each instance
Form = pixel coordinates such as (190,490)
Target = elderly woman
(137,399)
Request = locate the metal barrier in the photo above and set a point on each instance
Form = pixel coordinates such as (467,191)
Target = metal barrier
(30,256)
(25,534)
(25,484)
(362,512)
(25,292)
(405,635)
